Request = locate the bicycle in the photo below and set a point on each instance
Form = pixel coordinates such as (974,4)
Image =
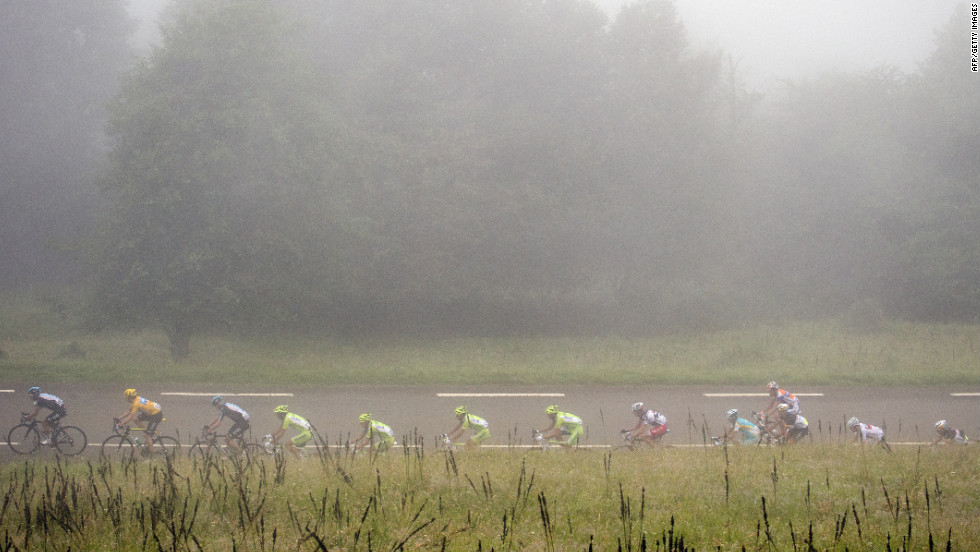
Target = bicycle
(546,444)
(25,437)
(124,443)
(765,428)
(208,444)
(630,443)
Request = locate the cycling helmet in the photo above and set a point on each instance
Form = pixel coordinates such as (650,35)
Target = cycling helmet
(940,425)
(34,391)
(782,407)
(130,393)
(364,418)
(553,409)
(732,414)
(771,386)
(852,423)
(460,410)
(637,408)
(281,409)
(216,400)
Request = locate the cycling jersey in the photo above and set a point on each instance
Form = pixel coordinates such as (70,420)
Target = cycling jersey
(384,434)
(651,417)
(570,425)
(785,397)
(51,402)
(750,432)
(300,424)
(234,412)
(145,407)
(870,433)
(479,426)
(954,435)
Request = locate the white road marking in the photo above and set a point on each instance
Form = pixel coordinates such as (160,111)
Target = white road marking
(500,394)
(964,394)
(186,394)
(758,394)
(6,390)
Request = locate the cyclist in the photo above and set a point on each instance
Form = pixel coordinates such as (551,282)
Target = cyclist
(742,430)
(949,435)
(480,427)
(781,396)
(236,414)
(52,403)
(867,433)
(374,429)
(141,410)
(650,426)
(298,423)
(794,426)
(565,427)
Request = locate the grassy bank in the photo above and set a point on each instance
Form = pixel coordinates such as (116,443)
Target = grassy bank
(41,343)
(824,497)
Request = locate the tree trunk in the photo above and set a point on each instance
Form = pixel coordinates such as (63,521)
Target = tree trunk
(180,341)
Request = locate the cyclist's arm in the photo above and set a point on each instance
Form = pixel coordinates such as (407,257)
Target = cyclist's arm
(278,434)
(636,427)
(214,424)
(37,410)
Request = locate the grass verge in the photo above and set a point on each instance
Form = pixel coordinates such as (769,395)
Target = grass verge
(819,497)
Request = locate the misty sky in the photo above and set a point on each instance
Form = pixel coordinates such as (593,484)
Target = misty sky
(772,40)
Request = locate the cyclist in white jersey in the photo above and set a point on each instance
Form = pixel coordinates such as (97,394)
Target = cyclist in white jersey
(867,433)
(236,414)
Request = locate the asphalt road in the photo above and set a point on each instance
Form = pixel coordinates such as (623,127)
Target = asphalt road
(908,415)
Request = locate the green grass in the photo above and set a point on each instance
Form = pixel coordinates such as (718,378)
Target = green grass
(843,497)
(37,341)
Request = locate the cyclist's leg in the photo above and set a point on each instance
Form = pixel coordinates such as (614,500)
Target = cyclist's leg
(234,436)
(151,427)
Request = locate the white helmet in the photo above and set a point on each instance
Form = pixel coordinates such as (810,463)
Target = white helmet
(783,407)
(940,425)
(852,423)
(637,408)
(732,414)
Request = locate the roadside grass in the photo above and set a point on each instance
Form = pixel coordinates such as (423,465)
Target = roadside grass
(47,345)
(814,497)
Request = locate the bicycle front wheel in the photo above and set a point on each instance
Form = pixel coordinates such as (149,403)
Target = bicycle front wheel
(254,451)
(118,447)
(70,440)
(164,445)
(24,438)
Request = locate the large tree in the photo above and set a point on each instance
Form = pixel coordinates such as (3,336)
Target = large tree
(217,150)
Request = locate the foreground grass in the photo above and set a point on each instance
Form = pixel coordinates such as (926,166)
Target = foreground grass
(41,342)
(824,497)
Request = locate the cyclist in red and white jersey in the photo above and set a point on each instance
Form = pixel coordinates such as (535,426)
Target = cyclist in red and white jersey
(650,426)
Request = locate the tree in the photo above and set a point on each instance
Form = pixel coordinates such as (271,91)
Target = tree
(217,143)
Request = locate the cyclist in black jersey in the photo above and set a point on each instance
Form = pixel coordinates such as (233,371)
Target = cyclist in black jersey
(234,413)
(52,403)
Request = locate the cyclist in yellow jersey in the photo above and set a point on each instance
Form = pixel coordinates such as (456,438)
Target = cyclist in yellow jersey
(480,427)
(565,427)
(374,431)
(141,410)
(296,422)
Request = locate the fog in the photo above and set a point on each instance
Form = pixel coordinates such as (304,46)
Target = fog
(517,167)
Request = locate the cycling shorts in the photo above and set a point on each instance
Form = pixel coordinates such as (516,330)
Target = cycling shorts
(658,430)
(237,429)
(299,440)
(152,420)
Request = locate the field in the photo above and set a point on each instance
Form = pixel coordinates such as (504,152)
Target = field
(47,344)
(818,497)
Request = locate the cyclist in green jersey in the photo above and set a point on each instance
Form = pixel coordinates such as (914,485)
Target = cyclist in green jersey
(566,428)
(375,432)
(480,427)
(296,422)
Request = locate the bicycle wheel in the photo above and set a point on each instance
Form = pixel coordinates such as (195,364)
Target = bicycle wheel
(70,440)
(164,445)
(24,438)
(203,449)
(118,447)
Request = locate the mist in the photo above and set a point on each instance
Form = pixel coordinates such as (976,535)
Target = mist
(515,167)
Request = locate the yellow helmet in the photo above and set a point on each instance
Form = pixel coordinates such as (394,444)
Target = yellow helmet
(553,409)
(281,409)
(460,410)
(130,393)
(364,418)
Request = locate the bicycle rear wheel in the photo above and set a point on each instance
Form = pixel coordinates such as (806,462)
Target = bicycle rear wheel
(70,440)
(118,447)
(164,445)
(24,439)
(254,450)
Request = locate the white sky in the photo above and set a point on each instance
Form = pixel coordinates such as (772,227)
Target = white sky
(773,40)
